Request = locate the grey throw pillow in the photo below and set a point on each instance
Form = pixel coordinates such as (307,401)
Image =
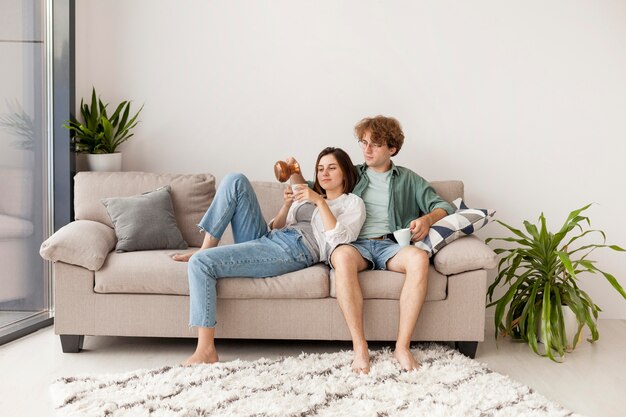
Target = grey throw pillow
(145,222)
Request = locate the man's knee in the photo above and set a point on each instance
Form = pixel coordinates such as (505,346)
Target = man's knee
(345,257)
(418,257)
(410,259)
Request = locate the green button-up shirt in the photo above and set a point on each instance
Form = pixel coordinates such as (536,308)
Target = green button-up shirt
(410,196)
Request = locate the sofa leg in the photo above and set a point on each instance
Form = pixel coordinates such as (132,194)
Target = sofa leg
(71,343)
(467,348)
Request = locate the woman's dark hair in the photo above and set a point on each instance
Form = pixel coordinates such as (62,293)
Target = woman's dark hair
(346,165)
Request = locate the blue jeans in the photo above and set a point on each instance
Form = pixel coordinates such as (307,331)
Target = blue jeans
(376,252)
(256,253)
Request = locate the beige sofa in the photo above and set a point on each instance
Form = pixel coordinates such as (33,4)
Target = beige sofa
(101,292)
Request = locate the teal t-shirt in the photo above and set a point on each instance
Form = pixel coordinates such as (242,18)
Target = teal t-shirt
(376,199)
(410,196)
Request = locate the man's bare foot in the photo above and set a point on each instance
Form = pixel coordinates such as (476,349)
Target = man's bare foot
(182,257)
(361,362)
(406,359)
(202,357)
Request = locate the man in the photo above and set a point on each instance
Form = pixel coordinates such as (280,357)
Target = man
(395,198)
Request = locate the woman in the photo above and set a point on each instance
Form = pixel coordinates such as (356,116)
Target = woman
(309,225)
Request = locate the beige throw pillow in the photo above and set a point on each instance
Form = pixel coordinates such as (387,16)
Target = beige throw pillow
(83,242)
(468,253)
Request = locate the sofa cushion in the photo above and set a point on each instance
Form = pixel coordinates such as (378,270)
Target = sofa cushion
(465,254)
(145,221)
(311,282)
(463,222)
(82,242)
(154,272)
(191,195)
(387,285)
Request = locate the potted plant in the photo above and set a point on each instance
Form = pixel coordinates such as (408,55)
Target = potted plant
(99,135)
(542,272)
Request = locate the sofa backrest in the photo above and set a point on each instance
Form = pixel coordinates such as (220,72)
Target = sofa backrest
(449,190)
(191,196)
(270,196)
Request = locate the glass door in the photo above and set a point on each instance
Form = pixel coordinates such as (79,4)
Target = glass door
(24,171)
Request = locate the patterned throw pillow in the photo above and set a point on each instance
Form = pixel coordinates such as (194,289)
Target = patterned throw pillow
(463,222)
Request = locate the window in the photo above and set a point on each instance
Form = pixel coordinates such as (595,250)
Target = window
(25,176)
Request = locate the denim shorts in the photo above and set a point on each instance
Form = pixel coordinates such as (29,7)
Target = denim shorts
(375,252)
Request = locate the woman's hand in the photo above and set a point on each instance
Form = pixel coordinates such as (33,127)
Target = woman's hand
(287,197)
(279,221)
(303,192)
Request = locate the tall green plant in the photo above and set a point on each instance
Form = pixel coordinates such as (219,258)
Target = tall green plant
(100,133)
(542,274)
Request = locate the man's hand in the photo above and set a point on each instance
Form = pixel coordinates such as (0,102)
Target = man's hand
(296,178)
(291,160)
(419,228)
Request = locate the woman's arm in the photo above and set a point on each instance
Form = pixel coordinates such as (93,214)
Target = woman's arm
(328,218)
(281,218)
(349,222)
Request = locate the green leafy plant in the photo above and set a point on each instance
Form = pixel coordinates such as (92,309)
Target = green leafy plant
(100,133)
(542,274)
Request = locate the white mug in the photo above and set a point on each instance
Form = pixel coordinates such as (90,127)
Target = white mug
(294,187)
(403,236)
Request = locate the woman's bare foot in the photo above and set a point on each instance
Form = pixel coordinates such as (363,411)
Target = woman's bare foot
(182,257)
(208,242)
(361,362)
(202,357)
(406,359)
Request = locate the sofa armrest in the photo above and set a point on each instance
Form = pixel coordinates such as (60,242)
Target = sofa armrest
(465,254)
(82,242)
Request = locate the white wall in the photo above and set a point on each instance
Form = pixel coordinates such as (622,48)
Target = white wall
(524,101)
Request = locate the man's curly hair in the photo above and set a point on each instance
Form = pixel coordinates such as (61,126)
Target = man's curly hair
(384,131)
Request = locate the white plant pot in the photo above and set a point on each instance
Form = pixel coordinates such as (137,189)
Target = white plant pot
(571,327)
(103,162)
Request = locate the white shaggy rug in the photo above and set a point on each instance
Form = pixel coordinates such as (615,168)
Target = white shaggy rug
(447,384)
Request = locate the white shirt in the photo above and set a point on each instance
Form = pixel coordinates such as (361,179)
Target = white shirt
(349,211)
